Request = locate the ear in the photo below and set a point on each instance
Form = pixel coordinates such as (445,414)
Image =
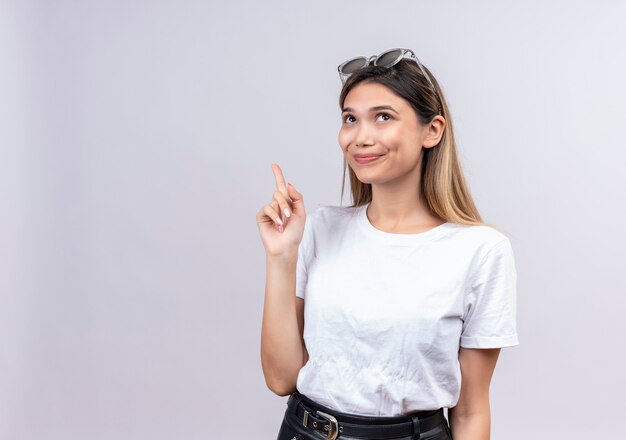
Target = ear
(434,131)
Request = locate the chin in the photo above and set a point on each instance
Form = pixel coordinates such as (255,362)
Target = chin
(367,179)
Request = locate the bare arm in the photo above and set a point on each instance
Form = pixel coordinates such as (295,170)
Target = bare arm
(281,224)
(282,346)
(470,419)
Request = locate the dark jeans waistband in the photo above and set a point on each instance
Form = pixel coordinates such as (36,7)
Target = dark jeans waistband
(359,419)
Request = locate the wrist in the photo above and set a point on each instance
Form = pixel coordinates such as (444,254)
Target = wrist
(285,257)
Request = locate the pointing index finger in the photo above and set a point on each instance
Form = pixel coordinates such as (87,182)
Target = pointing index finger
(280,180)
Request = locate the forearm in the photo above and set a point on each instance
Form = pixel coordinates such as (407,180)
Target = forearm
(475,426)
(281,345)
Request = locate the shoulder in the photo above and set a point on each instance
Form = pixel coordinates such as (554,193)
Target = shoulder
(483,233)
(481,239)
(490,252)
(324,217)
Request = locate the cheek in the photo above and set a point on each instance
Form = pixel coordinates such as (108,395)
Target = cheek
(344,139)
(393,138)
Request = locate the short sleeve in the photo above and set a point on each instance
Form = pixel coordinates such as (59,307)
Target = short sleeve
(489,319)
(305,255)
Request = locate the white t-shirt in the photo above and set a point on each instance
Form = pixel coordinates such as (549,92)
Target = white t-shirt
(385,313)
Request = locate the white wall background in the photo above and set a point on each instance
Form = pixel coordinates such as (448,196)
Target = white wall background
(136,146)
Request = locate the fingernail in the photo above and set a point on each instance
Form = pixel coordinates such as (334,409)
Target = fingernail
(287,213)
(280,228)
(279,221)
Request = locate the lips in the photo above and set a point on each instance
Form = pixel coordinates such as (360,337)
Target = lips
(366,158)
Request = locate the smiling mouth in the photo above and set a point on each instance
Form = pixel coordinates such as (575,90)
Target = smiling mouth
(367,159)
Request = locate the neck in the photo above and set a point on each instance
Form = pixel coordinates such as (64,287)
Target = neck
(400,206)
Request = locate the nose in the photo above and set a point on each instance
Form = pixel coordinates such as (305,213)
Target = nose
(364,136)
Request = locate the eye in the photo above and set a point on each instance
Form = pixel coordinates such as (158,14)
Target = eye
(346,117)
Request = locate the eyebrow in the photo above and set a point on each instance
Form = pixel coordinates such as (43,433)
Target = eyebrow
(378,107)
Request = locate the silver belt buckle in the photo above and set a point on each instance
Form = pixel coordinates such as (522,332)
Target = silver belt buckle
(333,428)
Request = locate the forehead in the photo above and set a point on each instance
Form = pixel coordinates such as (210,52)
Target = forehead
(366,95)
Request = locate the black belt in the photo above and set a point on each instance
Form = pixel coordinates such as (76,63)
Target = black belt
(331,423)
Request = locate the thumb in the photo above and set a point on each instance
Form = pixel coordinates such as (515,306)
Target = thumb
(296,197)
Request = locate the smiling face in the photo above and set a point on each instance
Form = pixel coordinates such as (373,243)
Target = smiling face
(376,121)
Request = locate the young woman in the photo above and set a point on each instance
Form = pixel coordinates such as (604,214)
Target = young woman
(409,294)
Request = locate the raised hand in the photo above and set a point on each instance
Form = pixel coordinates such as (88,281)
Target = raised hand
(281,222)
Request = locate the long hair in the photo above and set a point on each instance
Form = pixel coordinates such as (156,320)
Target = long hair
(442,182)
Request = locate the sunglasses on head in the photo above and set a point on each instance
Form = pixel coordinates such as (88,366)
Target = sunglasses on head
(386,59)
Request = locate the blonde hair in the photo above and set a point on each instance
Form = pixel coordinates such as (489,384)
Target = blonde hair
(442,182)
